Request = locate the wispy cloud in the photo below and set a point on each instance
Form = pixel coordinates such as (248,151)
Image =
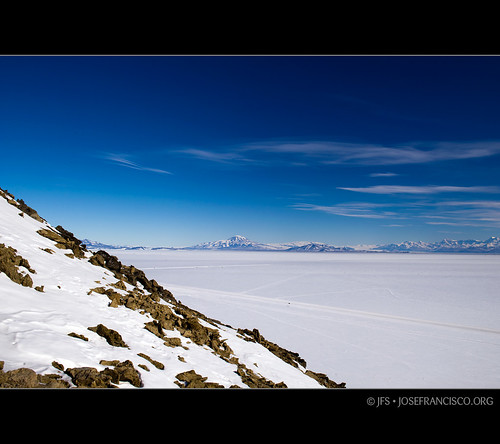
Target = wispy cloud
(342,153)
(215,156)
(456,224)
(474,213)
(410,153)
(429,189)
(353,209)
(469,223)
(479,213)
(474,203)
(383,174)
(122,160)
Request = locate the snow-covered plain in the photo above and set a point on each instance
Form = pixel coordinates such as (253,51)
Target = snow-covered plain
(372,320)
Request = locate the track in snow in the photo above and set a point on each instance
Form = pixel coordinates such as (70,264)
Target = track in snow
(263,301)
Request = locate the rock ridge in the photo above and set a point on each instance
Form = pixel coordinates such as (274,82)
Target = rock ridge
(165,317)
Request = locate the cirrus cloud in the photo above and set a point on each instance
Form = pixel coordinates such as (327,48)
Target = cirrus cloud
(426,189)
(121,159)
(481,213)
(364,210)
(345,153)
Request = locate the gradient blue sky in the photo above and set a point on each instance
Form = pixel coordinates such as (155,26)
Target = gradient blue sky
(177,150)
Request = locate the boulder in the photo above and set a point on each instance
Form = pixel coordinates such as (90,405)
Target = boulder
(90,377)
(28,378)
(112,337)
(191,379)
(10,262)
(19,378)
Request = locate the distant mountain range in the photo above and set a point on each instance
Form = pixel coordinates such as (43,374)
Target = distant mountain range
(241,243)
(491,245)
(233,243)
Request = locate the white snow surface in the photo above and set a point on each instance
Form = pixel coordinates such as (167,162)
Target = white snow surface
(372,320)
(34,325)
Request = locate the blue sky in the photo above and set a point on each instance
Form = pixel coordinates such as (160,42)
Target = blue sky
(176,150)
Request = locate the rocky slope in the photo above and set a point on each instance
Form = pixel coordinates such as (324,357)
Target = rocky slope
(70,317)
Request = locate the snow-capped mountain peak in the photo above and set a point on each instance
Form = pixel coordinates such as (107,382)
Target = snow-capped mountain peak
(239,242)
(236,242)
(238,238)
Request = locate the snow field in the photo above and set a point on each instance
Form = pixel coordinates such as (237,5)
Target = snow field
(370,320)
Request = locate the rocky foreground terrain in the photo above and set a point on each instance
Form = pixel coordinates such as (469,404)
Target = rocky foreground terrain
(70,317)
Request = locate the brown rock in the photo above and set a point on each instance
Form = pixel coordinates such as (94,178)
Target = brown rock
(27,378)
(288,356)
(254,381)
(19,378)
(89,377)
(127,372)
(155,328)
(112,337)
(191,379)
(75,335)
(157,364)
(92,378)
(172,342)
(9,263)
(57,365)
(324,380)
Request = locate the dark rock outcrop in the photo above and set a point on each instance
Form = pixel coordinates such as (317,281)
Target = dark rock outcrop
(64,240)
(28,378)
(324,380)
(112,337)
(289,357)
(252,380)
(157,364)
(191,379)
(130,274)
(90,377)
(10,262)
(19,203)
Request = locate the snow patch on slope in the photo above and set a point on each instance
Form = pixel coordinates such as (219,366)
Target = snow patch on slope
(35,324)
